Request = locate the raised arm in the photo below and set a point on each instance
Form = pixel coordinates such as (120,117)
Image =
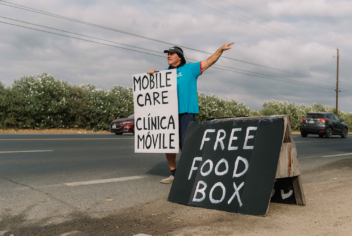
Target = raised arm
(213,58)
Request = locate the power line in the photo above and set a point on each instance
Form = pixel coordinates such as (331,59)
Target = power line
(244,72)
(67,36)
(250,23)
(345,59)
(264,30)
(160,41)
(278,24)
(299,40)
(264,75)
(78,21)
(285,27)
(216,67)
(273,78)
(347,54)
(25,22)
(273,22)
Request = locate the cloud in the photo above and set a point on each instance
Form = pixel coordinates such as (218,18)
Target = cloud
(298,36)
(324,8)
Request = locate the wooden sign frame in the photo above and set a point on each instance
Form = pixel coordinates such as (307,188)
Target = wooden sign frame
(288,165)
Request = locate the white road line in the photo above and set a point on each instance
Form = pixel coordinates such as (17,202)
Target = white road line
(103,181)
(337,155)
(307,141)
(26,151)
(36,187)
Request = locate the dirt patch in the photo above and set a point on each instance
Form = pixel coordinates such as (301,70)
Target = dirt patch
(328,212)
(333,166)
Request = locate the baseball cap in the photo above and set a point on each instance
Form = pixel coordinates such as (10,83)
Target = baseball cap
(179,52)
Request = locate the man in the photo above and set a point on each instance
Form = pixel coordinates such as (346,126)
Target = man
(187,75)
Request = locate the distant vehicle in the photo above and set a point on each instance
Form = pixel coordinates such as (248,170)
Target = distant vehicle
(324,124)
(123,125)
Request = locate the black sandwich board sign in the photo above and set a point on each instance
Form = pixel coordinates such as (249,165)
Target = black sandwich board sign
(229,165)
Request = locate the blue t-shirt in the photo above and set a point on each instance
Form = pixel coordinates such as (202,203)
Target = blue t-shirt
(187,87)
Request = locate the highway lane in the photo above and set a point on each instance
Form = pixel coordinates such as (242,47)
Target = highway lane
(70,173)
(33,183)
(73,157)
(314,152)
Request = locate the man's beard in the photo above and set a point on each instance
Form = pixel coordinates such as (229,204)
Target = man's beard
(174,67)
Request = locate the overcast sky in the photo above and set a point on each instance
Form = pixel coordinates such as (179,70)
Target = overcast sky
(292,35)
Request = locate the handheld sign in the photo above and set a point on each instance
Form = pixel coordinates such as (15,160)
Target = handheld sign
(156,112)
(229,165)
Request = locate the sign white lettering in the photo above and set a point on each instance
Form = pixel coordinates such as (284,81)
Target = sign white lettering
(208,165)
(156,112)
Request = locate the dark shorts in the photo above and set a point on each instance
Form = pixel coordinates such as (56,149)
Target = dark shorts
(183,120)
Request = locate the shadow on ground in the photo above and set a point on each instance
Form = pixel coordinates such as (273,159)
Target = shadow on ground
(161,169)
(153,218)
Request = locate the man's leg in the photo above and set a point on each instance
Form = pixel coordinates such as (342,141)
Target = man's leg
(183,120)
(171,159)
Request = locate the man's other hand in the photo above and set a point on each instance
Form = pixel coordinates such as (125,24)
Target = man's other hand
(213,58)
(227,46)
(152,71)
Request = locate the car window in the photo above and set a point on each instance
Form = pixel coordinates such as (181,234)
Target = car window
(329,116)
(336,118)
(314,116)
(131,116)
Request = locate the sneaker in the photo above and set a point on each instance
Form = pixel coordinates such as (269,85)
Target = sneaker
(168,180)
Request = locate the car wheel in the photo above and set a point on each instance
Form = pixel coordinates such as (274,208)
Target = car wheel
(321,135)
(303,134)
(118,133)
(328,133)
(344,133)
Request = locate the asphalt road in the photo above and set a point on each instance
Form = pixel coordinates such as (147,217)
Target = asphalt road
(51,176)
(37,183)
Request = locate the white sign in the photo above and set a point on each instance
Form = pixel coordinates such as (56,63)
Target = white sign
(156,112)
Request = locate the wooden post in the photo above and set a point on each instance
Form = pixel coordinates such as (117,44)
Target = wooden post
(298,190)
(288,166)
(337,83)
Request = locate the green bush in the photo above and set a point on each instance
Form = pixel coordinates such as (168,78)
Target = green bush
(213,106)
(297,112)
(3,103)
(41,101)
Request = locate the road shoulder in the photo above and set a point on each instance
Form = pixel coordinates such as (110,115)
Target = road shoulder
(328,212)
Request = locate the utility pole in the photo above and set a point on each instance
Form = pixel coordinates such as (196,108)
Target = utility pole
(337,83)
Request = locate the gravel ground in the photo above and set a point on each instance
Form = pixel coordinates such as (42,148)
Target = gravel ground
(328,212)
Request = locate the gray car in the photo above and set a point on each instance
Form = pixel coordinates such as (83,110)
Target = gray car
(325,124)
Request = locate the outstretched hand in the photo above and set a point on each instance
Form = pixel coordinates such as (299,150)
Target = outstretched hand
(227,46)
(151,71)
